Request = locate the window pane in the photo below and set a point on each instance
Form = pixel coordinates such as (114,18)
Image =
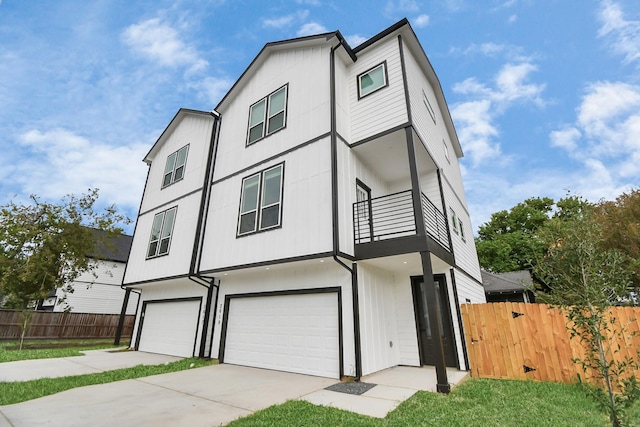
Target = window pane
(157,224)
(164,246)
(171,162)
(270,217)
(168,223)
(277,101)
(255,133)
(372,80)
(271,186)
(276,122)
(152,249)
(250,194)
(247,223)
(167,179)
(257,113)
(179,172)
(182,156)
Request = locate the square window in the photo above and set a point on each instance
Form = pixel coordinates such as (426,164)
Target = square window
(174,168)
(372,80)
(260,201)
(161,232)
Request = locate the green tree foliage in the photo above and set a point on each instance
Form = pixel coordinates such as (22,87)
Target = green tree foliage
(45,246)
(586,280)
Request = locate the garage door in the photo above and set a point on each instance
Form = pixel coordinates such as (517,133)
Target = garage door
(294,333)
(169,327)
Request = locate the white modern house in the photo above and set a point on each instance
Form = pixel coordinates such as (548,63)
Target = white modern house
(98,291)
(315,221)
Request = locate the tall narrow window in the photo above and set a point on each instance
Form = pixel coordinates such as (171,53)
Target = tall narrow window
(267,115)
(432,113)
(261,201)
(372,80)
(161,232)
(446,150)
(174,168)
(464,239)
(454,220)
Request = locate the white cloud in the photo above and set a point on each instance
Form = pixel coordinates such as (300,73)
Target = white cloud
(161,42)
(285,21)
(212,89)
(60,162)
(566,138)
(355,40)
(311,28)
(475,119)
(400,7)
(512,19)
(309,2)
(623,35)
(421,21)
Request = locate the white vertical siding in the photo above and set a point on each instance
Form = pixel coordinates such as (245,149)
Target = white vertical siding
(378,325)
(307,73)
(406,321)
(195,131)
(306,213)
(178,260)
(386,108)
(469,289)
(343,102)
(303,275)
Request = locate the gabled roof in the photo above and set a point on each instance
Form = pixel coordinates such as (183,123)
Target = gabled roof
(509,282)
(115,248)
(336,39)
(171,127)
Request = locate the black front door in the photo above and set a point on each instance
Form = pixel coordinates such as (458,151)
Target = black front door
(422,305)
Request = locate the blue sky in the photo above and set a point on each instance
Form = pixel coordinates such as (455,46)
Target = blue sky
(545,95)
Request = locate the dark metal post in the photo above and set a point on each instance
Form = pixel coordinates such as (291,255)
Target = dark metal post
(123,313)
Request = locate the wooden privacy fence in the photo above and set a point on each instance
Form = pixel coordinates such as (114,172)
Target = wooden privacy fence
(47,324)
(530,341)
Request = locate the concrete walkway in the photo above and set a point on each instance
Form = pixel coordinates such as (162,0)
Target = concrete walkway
(209,396)
(93,361)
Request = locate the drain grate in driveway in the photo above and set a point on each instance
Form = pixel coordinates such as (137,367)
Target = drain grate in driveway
(351,388)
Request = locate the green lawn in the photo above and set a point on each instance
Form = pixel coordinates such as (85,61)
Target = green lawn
(477,402)
(32,349)
(16,392)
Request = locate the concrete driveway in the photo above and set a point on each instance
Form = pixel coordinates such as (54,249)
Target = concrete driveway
(209,396)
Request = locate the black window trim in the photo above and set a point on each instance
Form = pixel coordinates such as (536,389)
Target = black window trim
(259,206)
(265,131)
(173,171)
(386,79)
(164,213)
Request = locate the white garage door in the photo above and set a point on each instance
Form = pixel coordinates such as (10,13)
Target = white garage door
(170,327)
(293,333)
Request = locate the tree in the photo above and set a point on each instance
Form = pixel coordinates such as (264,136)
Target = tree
(586,280)
(44,246)
(620,220)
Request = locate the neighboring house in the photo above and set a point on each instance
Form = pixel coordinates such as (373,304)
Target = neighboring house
(98,291)
(513,286)
(315,221)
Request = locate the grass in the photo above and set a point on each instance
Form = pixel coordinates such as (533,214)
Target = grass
(33,349)
(15,392)
(476,402)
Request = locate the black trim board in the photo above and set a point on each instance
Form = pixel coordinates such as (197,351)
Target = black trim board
(460,322)
(271,262)
(290,292)
(163,301)
(172,201)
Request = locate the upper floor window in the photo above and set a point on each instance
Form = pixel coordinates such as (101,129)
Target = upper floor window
(267,115)
(454,220)
(372,80)
(261,201)
(464,239)
(161,232)
(446,150)
(174,169)
(432,113)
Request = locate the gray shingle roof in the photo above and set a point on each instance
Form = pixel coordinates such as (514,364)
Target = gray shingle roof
(512,281)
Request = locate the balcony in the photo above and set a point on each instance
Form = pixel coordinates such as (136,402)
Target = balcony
(392,219)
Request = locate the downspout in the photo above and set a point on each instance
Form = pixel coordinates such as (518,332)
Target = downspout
(334,208)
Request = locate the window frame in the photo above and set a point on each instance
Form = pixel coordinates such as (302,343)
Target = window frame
(427,103)
(266,117)
(461,227)
(175,167)
(383,64)
(259,207)
(446,150)
(454,220)
(159,240)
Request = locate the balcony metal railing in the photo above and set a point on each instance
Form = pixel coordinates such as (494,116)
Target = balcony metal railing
(392,216)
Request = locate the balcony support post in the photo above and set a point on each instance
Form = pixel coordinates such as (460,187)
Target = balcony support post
(435,320)
(415,184)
